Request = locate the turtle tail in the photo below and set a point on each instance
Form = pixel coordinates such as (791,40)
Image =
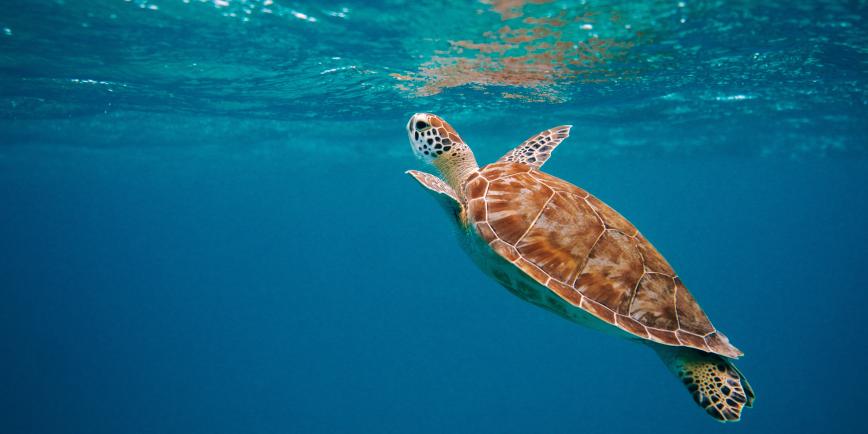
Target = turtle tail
(714,381)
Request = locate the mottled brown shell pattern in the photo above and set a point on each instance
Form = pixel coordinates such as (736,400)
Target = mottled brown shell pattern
(586,253)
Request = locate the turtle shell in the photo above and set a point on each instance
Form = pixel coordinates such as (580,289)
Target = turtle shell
(587,254)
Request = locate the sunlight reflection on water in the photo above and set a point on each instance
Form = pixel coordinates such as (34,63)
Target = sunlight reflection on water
(683,72)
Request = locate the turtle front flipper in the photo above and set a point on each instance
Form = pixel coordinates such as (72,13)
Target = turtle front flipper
(444,194)
(713,380)
(536,150)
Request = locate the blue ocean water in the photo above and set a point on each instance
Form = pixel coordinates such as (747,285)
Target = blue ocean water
(205,225)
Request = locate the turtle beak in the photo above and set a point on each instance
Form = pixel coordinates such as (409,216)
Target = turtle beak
(410,128)
(416,127)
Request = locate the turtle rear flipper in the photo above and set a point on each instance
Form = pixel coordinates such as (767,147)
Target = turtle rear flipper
(714,381)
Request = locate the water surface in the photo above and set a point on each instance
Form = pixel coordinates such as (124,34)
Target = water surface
(206,226)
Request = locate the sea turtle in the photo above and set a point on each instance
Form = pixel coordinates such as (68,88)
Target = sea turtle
(556,246)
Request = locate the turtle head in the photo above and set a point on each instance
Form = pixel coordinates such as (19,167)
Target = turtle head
(431,137)
(436,142)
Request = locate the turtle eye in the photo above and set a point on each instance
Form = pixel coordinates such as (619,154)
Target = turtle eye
(421,125)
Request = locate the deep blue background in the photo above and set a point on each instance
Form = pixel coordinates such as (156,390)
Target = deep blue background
(203,292)
(203,229)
